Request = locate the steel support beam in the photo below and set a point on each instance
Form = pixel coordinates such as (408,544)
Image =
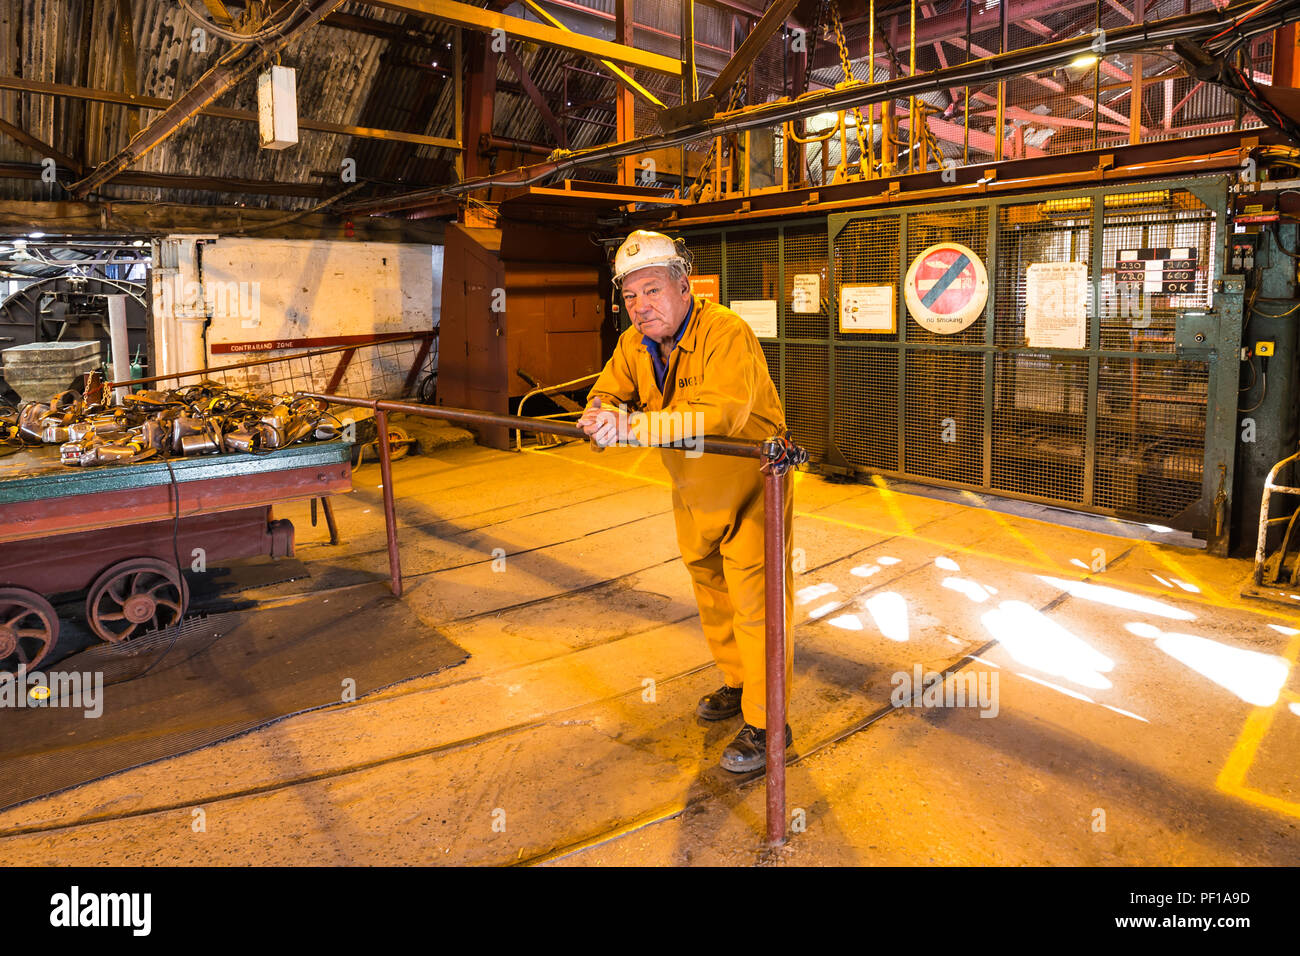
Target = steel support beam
(486,21)
(126,44)
(744,58)
(480,101)
(44,150)
(244,116)
(221,184)
(152,219)
(458,98)
(379,28)
(619,73)
(538,100)
(1286,56)
(690,80)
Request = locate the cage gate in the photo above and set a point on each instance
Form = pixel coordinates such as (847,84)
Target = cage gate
(1139,422)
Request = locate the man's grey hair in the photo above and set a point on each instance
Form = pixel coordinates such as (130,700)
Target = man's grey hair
(681,267)
(679,270)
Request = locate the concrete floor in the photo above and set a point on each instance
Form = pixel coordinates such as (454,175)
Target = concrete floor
(1145,714)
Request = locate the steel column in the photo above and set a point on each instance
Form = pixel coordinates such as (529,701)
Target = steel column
(624,103)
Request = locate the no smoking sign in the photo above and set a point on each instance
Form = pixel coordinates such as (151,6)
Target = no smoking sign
(946,288)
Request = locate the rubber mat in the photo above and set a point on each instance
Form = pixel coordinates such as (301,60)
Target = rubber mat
(216,677)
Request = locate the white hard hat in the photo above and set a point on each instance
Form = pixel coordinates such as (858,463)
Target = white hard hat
(644,249)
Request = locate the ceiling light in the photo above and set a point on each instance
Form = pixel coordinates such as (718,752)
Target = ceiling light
(821,122)
(1083,60)
(36,235)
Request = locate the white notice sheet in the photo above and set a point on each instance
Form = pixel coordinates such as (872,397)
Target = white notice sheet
(867,308)
(760,314)
(806,294)
(1056,305)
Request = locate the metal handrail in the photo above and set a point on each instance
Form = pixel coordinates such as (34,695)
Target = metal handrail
(549,390)
(1265,520)
(381,339)
(777,455)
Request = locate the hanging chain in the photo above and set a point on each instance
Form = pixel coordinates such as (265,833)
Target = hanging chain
(734,99)
(932,141)
(847,66)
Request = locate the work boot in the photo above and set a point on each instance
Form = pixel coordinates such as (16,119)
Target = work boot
(749,750)
(721,704)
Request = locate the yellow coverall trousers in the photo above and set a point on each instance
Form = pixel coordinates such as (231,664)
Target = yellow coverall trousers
(717,384)
(720,534)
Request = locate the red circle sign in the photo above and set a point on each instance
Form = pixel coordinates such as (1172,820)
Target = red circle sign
(946,288)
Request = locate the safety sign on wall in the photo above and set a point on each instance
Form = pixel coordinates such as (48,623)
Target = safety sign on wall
(867,308)
(806,293)
(946,288)
(705,286)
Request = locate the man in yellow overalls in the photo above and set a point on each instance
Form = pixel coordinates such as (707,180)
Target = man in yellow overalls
(685,369)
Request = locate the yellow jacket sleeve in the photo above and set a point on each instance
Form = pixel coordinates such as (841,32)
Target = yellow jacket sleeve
(725,397)
(616,384)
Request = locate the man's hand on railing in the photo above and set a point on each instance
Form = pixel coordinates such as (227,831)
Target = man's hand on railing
(604,426)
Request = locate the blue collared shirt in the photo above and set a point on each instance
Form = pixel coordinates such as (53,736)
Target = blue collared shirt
(661,366)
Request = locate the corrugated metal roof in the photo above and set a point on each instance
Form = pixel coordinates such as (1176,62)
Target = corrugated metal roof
(403,82)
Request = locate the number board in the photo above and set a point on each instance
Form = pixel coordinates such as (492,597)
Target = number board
(1158,270)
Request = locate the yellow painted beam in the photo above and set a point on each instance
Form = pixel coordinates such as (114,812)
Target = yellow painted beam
(637,88)
(486,21)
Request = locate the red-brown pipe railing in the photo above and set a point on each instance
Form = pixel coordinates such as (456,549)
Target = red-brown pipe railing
(776,455)
(381,339)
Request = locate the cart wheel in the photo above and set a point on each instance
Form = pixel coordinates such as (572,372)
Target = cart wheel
(29,629)
(134,596)
(398,443)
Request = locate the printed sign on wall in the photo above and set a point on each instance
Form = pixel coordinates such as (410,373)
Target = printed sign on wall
(1056,305)
(868,308)
(760,314)
(806,293)
(705,286)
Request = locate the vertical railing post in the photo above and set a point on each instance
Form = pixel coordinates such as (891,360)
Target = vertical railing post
(390,512)
(774,620)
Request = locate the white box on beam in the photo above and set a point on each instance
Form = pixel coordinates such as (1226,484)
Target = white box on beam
(277,108)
